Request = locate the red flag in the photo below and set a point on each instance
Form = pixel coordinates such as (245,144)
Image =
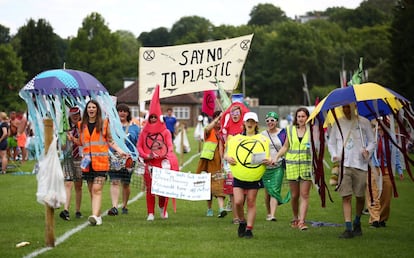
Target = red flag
(209,102)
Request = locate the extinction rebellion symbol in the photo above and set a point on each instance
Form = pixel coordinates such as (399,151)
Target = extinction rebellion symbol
(155,142)
(245,150)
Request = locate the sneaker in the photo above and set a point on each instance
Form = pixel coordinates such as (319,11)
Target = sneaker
(294,223)
(365,211)
(273,219)
(113,211)
(235,221)
(64,215)
(78,215)
(382,224)
(99,221)
(95,220)
(162,215)
(124,210)
(248,234)
(302,226)
(357,230)
(346,234)
(269,217)
(242,229)
(222,214)
(150,217)
(210,213)
(375,224)
(229,206)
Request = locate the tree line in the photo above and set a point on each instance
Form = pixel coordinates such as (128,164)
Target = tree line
(283,50)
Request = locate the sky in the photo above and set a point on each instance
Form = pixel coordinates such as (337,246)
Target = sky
(137,16)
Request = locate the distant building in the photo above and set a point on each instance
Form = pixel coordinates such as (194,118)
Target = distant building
(186,107)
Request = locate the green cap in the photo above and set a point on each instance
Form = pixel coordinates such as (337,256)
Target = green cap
(272,114)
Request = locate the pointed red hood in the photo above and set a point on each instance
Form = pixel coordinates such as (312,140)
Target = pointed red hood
(155,109)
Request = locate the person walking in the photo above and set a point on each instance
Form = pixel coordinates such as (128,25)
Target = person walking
(4,129)
(71,167)
(171,122)
(273,177)
(379,203)
(210,162)
(298,166)
(248,155)
(95,139)
(156,148)
(351,142)
(123,177)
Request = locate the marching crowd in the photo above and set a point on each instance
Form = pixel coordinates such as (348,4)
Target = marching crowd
(240,158)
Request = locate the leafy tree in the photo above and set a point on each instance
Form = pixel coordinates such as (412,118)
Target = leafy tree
(38,47)
(191,29)
(156,38)
(11,79)
(402,48)
(266,14)
(97,51)
(130,50)
(4,34)
(364,15)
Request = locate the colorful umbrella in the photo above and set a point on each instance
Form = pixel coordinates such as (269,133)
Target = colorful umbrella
(64,82)
(372,101)
(51,92)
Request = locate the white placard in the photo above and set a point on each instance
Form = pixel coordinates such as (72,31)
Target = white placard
(180,185)
(183,69)
(257,158)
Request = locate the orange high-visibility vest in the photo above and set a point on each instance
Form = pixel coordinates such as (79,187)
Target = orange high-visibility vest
(95,145)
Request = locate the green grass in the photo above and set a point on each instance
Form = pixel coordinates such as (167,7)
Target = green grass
(189,233)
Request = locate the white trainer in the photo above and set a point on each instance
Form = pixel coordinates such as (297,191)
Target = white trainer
(150,217)
(93,220)
(99,221)
(162,215)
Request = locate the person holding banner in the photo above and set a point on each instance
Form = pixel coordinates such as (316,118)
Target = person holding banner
(210,162)
(248,155)
(155,146)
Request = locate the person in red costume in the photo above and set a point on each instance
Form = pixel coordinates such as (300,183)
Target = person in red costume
(155,146)
(231,124)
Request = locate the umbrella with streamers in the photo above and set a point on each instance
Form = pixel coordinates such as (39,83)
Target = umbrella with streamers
(52,92)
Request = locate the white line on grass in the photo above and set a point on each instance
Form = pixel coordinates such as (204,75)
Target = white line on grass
(69,233)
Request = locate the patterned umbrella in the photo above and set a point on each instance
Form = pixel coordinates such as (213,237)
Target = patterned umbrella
(64,82)
(52,92)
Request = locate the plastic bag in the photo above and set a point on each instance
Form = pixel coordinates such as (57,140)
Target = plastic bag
(50,180)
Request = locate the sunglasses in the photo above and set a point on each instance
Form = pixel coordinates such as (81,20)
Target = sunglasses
(270,120)
(151,117)
(235,112)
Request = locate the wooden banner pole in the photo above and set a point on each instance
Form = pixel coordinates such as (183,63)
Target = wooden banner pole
(50,212)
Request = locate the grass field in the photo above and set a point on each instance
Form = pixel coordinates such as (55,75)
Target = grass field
(188,232)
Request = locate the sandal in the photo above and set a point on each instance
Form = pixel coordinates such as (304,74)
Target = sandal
(294,223)
(302,226)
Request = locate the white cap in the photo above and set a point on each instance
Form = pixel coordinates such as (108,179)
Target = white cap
(250,115)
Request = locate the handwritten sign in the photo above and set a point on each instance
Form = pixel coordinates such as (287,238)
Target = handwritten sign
(190,68)
(179,185)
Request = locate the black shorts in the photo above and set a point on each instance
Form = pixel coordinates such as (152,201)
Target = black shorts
(122,175)
(247,185)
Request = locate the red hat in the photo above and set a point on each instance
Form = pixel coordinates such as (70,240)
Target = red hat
(74,110)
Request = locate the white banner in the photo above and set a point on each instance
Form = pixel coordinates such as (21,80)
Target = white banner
(190,68)
(179,185)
